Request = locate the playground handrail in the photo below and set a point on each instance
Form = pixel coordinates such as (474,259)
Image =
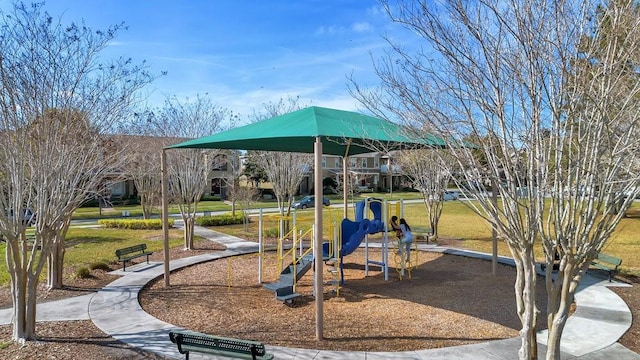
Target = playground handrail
(296,241)
(281,254)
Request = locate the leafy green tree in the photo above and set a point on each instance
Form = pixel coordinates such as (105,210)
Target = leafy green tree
(253,172)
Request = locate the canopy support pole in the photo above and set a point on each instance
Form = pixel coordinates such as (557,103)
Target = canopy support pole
(345,183)
(319,282)
(165,215)
(494,231)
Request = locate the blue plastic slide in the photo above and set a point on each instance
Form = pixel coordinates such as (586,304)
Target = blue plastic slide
(359,210)
(353,233)
(376,225)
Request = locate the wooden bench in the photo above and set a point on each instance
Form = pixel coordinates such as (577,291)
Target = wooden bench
(191,341)
(132,252)
(607,263)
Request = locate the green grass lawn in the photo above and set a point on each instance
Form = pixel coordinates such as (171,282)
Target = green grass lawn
(90,245)
(459,222)
(136,210)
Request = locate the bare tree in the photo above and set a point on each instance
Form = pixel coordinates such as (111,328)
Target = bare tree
(548,92)
(246,196)
(57,102)
(285,171)
(189,168)
(235,192)
(429,173)
(143,167)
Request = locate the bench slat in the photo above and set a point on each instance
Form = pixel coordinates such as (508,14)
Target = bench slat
(197,342)
(131,249)
(607,263)
(132,252)
(609,259)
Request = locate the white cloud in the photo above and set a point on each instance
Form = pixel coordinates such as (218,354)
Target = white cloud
(362,27)
(327,30)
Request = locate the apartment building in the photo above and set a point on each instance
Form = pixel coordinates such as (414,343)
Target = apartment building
(370,172)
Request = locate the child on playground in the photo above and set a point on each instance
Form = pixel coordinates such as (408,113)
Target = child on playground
(407,236)
(395,226)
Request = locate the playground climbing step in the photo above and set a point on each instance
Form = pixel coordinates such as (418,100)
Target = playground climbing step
(283,288)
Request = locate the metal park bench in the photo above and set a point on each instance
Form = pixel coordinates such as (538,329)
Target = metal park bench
(607,263)
(190,341)
(132,252)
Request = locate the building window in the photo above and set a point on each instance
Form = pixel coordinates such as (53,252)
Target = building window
(364,163)
(324,161)
(352,162)
(338,163)
(376,162)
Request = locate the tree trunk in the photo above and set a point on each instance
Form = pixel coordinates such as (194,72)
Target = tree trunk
(525,288)
(245,221)
(553,341)
(147,206)
(23,291)
(30,312)
(19,295)
(55,257)
(189,224)
(55,265)
(559,303)
(434,229)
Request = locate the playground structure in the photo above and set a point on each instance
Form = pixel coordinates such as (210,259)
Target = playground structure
(371,216)
(301,258)
(355,232)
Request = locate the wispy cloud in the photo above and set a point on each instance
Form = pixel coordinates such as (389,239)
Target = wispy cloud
(362,27)
(240,55)
(328,30)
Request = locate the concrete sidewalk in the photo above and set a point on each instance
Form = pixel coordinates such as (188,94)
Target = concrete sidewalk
(591,333)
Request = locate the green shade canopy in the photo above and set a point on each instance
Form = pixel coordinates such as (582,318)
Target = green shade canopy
(297,131)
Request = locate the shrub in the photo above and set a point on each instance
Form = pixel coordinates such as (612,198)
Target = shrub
(134,224)
(90,203)
(220,220)
(83,272)
(329,182)
(270,192)
(409,189)
(210,198)
(99,266)
(272,233)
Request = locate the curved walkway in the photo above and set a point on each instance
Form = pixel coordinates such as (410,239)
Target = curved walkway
(591,333)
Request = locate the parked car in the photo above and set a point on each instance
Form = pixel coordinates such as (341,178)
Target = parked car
(27,215)
(309,201)
(451,195)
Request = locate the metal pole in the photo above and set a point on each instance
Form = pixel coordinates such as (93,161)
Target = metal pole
(345,182)
(494,232)
(385,240)
(319,283)
(165,215)
(261,247)
(345,187)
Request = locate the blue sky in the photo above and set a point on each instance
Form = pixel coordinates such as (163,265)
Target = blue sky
(244,53)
